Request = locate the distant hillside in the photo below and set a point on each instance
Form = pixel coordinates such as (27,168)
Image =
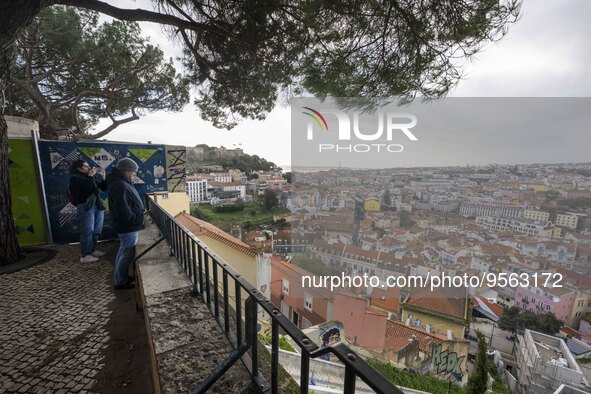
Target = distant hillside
(203,155)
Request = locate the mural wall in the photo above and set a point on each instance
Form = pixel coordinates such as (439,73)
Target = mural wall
(176,165)
(27,202)
(56,158)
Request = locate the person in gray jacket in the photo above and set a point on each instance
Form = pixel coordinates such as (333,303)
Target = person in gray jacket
(127,217)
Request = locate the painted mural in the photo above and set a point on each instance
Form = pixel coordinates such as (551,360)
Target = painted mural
(27,201)
(327,334)
(56,158)
(176,165)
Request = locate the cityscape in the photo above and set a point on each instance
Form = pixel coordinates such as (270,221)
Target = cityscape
(523,228)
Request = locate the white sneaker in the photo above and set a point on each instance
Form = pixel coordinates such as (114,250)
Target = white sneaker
(88,259)
(98,253)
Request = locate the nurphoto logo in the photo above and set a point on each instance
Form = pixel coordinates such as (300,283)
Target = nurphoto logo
(354,127)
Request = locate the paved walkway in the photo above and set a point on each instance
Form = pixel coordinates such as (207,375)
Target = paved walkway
(64,329)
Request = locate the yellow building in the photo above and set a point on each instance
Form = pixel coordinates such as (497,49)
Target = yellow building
(539,188)
(581,307)
(173,202)
(372,205)
(253,266)
(437,311)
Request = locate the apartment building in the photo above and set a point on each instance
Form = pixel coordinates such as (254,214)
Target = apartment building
(545,365)
(436,206)
(197,189)
(238,188)
(223,177)
(568,220)
(540,216)
(557,300)
(470,209)
(561,252)
(523,226)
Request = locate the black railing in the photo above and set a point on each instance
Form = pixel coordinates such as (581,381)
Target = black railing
(203,267)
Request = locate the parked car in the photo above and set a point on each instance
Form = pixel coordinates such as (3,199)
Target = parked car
(511,337)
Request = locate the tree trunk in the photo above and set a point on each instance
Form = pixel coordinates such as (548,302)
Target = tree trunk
(14,15)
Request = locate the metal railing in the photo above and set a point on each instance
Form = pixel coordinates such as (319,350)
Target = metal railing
(203,266)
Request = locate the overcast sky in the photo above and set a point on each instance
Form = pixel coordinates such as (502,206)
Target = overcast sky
(545,54)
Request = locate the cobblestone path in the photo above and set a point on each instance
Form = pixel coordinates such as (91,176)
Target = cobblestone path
(54,327)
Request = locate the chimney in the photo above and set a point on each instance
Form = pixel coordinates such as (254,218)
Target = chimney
(428,328)
(450,335)
(407,321)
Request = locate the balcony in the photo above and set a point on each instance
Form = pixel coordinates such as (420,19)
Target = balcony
(239,309)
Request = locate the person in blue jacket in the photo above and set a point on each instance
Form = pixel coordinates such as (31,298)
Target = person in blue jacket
(127,217)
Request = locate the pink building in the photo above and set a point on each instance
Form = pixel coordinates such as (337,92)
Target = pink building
(557,300)
(364,325)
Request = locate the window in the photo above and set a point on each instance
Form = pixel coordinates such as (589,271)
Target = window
(308,301)
(285,286)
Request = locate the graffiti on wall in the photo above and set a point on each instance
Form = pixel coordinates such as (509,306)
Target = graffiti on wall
(327,334)
(27,202)
(56,158)
(447,362)
(176,165)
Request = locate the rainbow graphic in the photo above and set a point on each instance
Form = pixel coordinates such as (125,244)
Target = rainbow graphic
(317,116)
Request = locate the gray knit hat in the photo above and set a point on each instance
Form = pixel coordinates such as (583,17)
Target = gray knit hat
(126,164)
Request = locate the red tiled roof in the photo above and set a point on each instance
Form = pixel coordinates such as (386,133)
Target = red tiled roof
(498,310)
(396,344)
(200,227)
(443,301)
(395,329)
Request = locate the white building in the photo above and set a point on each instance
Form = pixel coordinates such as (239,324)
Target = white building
(523,226)
(568,220)
(545,364)
(222,177)
(536,215)
(470,209)
(230,187)
(197,189)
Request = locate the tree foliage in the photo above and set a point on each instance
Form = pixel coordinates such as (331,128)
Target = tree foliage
(243,55)
(250,51)
(71,71)
(270,199)
(515,318)
(478,380)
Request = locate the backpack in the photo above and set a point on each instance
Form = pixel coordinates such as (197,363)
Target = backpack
(71,197)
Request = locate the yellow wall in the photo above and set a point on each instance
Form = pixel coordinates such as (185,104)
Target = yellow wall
(437,323)
(540,188)
(175,203)
(372,205)
(585,297)
(244,264)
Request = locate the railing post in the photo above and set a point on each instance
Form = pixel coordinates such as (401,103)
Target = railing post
(238,313)
(226,300)
(305,372)
(200,260)
(194,267)
(206,262)
(216,301)
(274,356)
(349,380)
